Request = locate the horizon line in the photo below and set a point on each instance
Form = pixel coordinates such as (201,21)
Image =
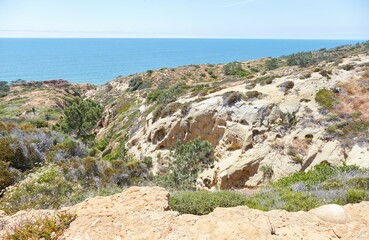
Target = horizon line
(230,38)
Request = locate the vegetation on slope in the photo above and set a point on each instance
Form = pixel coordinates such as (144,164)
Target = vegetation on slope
(38,163)
(42,228)
(51,149)
(80,118)
(187,160)
(60,167)
(347,109)
(301,191)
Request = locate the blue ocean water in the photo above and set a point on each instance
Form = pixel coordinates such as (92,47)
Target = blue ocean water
(98,61)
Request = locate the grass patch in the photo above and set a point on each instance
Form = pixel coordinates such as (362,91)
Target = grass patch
(42,228)
(325,98)
(302,191)
(204,202)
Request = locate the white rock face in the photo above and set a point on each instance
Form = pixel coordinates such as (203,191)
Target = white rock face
(359,155)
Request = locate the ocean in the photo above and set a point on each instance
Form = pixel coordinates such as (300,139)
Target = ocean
(98,61)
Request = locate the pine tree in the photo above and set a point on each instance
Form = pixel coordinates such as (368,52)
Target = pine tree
(80,118)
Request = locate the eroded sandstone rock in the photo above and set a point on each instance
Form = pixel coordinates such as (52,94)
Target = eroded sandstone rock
(143,213)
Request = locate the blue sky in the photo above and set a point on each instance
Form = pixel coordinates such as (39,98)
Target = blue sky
(297,19)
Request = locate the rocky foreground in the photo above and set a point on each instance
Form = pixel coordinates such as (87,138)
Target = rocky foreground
(144,213)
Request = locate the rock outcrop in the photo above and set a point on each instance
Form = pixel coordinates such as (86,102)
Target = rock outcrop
(270,120)
(143,213)
(281,128)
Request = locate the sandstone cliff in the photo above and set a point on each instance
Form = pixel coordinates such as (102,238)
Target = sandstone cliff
(268,119)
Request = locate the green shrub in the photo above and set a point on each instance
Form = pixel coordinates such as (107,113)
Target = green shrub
(124,106)
(39,191)
(137,83)
(251,95)
(119,152)
(267,171)
(102,144)
(349,129)
(90,166)
(360,183)
(348,67)
(213,76)
(319,173)
(332,184)
(297,159)
(305,76)
(11,152)
(250,85)
(187,161)
(298,201)
(325,98)
(231,98)
(204,202)
(48,176)
(366,45)
(164,95)
(356,195)
(69,146)
(235,69)
(302,59)
(203,88)
(26,127)
(149,72)
(80,118)
(266,80)
(321,185)
(155,95)
(286,86)
(301,191)
(326,73)
(7,177)
(39,123)
(4,88)
(271,64)
(42,228)
(282,198)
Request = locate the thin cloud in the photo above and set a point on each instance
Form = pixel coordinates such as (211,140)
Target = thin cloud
(79,32)
(238,3)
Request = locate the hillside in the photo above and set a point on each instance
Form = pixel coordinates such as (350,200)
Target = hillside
(46,97)
(281,134)
(288,114)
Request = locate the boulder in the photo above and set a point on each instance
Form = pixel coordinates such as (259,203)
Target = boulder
(331,213)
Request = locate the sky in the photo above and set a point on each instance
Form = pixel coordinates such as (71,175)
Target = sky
(275,19)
